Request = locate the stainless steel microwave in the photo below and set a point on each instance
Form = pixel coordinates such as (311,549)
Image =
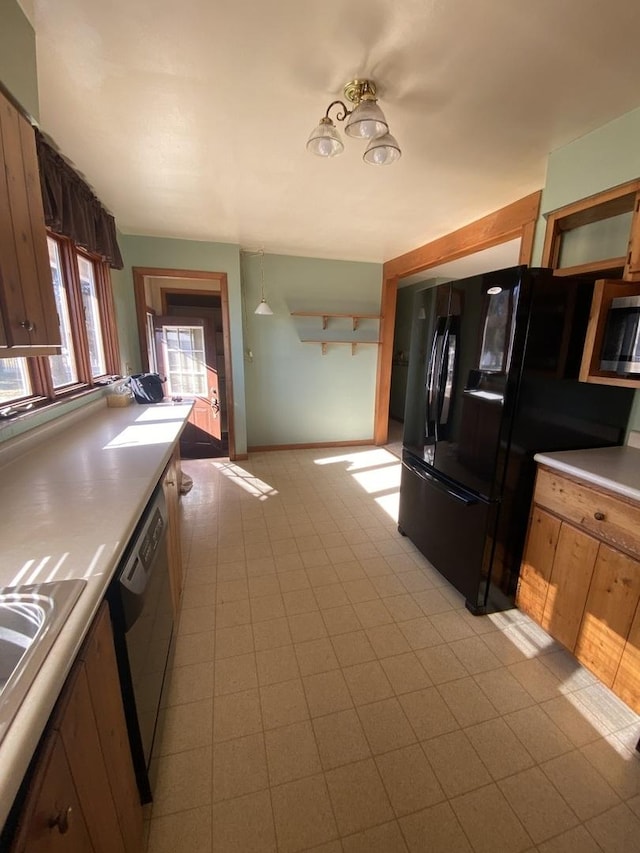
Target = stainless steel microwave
(621,345)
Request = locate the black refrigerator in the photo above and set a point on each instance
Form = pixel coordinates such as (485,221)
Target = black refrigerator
(493,379)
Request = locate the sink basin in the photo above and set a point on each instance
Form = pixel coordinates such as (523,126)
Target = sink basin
(30,619)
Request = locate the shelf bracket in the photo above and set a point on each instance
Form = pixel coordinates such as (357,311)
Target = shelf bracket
(324,349)
(325,321)
(354,347)
(356,322)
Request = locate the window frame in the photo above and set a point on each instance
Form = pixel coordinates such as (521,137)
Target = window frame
(596,208)
(43,392)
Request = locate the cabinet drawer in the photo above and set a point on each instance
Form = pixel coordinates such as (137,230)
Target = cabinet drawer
(609,518)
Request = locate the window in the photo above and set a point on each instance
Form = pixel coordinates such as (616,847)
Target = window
(184,359)
(91,315)
(15,382)
(63,366)
(89,351)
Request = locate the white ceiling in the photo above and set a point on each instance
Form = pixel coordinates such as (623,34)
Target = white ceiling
(190,119)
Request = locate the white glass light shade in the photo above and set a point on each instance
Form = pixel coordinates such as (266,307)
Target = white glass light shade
(324,140)
(263,307)
(382,151)
(366,121)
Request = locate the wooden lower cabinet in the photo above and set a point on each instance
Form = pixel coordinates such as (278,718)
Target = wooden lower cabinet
(571,573)
(82,795)
(627,681)
(52,819)
(608,614)
(580,587)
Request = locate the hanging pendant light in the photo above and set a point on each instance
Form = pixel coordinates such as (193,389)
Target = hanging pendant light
(325,140)
(382,151)
(365,121)
(263,307)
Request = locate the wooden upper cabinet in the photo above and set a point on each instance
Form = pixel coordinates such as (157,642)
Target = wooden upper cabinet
(28,313)
(596,235)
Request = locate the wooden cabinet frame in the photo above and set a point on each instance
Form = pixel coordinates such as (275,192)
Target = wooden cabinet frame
(622,199)
(603,293)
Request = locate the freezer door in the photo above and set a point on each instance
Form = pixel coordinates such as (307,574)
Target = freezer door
(449,526)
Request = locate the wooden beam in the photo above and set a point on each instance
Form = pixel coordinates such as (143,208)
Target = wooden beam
(498,227)
(516,220)
(385,358)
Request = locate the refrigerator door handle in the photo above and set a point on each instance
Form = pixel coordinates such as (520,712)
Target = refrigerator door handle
(467,500)
(442,376)
(434,369)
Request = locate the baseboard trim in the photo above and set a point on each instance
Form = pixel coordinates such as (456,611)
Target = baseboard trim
(363,442)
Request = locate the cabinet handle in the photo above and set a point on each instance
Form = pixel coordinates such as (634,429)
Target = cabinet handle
(28,325)
(61,820)
(599,516)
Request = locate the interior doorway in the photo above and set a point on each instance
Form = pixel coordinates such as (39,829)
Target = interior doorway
(183,327)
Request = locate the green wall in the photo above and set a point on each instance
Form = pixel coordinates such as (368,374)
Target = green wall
(296,395)
(18,72)
(605,158)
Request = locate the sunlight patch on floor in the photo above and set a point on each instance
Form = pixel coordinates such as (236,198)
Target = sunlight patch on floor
(358,459)
(245,480)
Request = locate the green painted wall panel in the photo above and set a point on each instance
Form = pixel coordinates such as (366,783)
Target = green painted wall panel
(295,395)
(18,72)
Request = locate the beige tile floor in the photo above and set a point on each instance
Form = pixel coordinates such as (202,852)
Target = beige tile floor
(331,693)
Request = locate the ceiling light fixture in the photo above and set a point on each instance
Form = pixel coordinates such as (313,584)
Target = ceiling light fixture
(263,307)
(365,121)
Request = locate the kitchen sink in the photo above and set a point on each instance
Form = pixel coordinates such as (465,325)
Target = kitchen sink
(30,619)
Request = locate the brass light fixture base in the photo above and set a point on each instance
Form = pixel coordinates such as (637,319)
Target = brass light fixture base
(356,90)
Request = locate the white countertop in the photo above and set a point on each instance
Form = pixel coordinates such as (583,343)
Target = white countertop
(71,494)
(614,468)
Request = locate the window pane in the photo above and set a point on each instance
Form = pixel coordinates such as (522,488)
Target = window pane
(14,379)
(601,240)
(92,316)
(185,359)
(63,366)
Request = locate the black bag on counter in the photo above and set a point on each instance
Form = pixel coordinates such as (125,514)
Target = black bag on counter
(147,387)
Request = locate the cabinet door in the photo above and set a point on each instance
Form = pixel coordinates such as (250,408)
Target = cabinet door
(626,684)
(611,604)
(27,303)
(569,584)
(171,488)
(537,563)
(52,820)
(99,658)
(79,734)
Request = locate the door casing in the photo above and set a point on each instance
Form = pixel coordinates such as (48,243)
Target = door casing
(169,275)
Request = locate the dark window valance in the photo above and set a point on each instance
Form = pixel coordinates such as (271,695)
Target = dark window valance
(72,210)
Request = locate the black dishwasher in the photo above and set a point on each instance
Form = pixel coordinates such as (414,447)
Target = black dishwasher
(142,616)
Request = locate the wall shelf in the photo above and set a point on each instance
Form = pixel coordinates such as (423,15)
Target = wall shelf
(355,318)
(354,344)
